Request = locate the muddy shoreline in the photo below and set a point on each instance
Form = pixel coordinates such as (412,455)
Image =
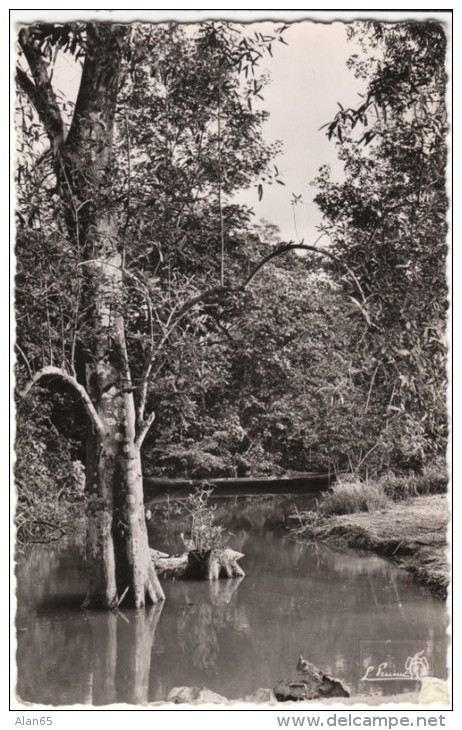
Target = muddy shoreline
(411,533)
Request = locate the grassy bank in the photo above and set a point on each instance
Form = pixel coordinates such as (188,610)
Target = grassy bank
(411,532)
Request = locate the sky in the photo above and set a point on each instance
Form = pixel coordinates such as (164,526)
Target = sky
(309,76)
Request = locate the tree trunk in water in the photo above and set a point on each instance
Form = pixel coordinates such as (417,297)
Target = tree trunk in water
(118,553)
(117,541)
(102,585)
(135,569)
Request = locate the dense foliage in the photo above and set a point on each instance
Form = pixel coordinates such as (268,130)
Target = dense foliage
(387,220)
(49,476)
(275,392)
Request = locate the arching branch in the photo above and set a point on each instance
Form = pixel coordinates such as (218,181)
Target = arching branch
(50,373)
(187,306)
(305,247)
(191,303)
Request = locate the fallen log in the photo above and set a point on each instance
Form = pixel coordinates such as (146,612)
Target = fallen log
(199,565)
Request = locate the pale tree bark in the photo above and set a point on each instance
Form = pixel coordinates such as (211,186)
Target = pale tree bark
(118,551)
(117,542)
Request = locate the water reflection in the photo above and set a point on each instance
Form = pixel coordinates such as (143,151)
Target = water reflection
(200,621)
(121,655)
(231,636)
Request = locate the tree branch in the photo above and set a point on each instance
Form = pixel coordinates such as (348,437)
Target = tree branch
(143,429)
(303,246)
(187,306)
(54,372)
(26,361)
(40,92)
(178,317)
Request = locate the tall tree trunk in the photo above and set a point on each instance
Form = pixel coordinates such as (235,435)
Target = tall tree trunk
(117,542)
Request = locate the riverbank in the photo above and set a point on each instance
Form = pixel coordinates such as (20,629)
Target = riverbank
(412,533)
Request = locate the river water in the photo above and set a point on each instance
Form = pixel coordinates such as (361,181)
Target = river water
(346,613)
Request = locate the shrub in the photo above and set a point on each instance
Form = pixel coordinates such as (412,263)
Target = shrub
(349,496)
(204,533)
(433,479)
(398,486)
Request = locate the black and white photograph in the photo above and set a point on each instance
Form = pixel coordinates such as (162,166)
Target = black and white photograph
(231,479)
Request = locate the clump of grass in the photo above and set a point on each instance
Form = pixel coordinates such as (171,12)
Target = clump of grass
(435,478)
(399,487)
(432,480)
(352,495)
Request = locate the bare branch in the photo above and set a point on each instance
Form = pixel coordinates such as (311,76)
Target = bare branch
(303,246)
(187,306)
(144,428)
(191,303)
(51,372)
